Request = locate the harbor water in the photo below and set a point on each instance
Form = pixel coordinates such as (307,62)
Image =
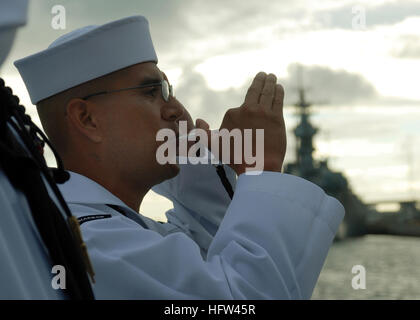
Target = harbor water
(391,265)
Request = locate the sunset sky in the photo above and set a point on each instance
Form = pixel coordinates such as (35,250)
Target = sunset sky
(359,60)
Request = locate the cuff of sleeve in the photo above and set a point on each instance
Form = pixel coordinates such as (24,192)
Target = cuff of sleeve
(296,189)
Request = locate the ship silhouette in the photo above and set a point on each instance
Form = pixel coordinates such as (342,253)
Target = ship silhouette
(333,183)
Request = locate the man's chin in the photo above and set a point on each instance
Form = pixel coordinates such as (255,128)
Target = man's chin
(174,170)
(166,172)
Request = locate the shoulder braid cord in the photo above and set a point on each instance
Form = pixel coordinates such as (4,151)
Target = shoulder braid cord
(62,238)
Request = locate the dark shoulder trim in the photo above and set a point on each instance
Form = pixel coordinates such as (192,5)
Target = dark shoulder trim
(84,219)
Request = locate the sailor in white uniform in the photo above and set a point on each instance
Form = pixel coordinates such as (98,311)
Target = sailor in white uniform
(25,266)
(269,242)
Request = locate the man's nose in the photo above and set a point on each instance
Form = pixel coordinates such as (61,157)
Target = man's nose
(173,110)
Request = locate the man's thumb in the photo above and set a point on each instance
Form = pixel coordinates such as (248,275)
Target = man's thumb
(201,124)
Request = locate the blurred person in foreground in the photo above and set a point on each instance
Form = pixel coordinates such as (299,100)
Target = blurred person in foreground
(35,237)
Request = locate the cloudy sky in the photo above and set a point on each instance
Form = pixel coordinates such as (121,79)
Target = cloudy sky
(359,61)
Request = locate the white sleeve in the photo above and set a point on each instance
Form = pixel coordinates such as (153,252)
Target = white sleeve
(25,267)
(200,201)
(271,244)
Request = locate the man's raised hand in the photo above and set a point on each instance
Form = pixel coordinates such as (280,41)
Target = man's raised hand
(262,109)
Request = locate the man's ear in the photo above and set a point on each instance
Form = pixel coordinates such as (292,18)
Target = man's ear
(83,117)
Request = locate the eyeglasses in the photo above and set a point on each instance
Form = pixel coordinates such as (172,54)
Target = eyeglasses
(166,91)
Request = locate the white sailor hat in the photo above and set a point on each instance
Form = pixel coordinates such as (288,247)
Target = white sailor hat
(86,54)
(13,13)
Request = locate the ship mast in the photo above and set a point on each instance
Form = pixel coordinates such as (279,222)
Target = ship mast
(304,133)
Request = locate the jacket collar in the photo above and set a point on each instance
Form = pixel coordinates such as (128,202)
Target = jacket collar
(81,189)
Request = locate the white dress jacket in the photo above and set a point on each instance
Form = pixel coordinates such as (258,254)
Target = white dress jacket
(269,242)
